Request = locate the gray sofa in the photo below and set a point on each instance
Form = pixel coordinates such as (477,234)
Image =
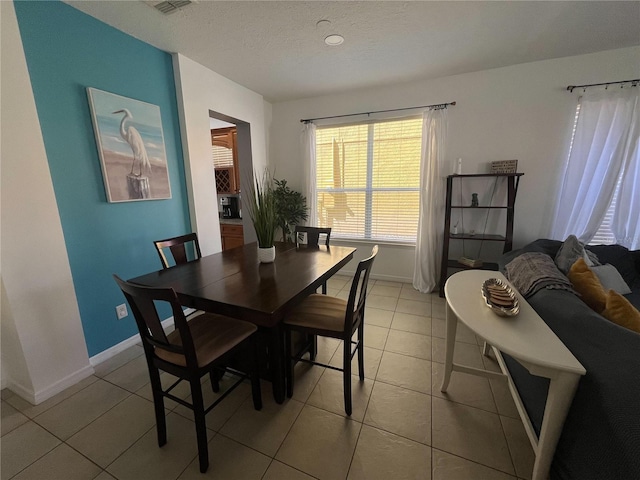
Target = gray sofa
(601,435)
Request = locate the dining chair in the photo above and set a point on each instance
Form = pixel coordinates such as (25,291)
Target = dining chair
(313,234)
(334,317)
(312,239)
(184,248)
(192,350)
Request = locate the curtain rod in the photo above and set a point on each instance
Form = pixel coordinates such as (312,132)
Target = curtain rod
(436,106)
(633,83)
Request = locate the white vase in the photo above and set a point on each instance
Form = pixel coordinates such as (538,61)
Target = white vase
(267,255)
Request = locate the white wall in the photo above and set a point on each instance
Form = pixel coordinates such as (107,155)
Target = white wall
(520,112)
(200,90)
(43,346)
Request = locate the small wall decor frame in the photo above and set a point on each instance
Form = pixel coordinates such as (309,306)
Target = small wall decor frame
(504,166)
(131,146)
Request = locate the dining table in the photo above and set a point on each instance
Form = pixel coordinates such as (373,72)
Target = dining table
(234,283)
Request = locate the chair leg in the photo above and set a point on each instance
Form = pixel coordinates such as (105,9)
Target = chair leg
(255,376)
(313,347)
(214,375)
(158,405)
(289,363)
(324,288)
(361,350)
(346,365)
(201,426)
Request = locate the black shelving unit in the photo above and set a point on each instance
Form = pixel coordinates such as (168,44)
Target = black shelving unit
(512,179)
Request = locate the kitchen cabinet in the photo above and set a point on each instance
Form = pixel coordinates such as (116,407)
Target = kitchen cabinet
(232,235)
(225,160)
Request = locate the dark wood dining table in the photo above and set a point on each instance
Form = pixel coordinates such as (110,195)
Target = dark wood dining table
(234,283)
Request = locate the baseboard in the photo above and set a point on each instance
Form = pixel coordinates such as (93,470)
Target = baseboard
(63,384)
(391,278)
(387,278)
(129,342)
(113,351)
(21,391)
(36,398)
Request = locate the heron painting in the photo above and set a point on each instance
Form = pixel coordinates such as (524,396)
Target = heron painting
(131,147)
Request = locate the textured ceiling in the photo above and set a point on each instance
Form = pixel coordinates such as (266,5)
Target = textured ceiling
(276,48)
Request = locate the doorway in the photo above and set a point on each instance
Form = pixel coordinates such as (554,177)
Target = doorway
(233,167)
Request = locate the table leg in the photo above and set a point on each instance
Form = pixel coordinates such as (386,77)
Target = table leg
(561,391)
(486,348)
(276,353)
(452,326)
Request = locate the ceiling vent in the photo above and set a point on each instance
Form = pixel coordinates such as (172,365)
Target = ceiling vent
(170,6)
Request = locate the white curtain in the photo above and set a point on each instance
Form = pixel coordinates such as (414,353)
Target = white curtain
(626,218)
(309,158)
(432,185)
(603,149)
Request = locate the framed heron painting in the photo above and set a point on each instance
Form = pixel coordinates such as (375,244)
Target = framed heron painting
(131,147)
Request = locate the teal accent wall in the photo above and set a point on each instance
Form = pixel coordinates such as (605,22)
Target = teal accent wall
(67,51)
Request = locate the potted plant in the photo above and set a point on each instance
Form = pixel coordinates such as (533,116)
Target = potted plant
(261,205)
(291,208)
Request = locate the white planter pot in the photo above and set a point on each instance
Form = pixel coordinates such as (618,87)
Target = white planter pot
(267,255)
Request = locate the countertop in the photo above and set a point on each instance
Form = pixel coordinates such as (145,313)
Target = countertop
(230,221)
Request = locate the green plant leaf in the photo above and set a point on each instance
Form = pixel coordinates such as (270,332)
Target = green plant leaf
(291,208)
(261,205)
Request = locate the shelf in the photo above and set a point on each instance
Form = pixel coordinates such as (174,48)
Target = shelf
(471,175)
(485,266)
(469,206)
(478,236)
(512,181)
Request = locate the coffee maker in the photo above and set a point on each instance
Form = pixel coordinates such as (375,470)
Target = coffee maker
(229,207)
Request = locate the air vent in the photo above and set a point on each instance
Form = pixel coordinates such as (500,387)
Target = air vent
(170,6)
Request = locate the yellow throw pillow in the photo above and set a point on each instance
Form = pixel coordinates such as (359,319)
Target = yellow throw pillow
(586,283)
(619,310)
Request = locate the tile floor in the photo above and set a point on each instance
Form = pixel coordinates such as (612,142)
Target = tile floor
(402,426)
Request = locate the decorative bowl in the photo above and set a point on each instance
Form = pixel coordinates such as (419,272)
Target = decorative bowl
(500,297)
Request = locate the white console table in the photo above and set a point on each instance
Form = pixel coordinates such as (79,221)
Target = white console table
(528,339)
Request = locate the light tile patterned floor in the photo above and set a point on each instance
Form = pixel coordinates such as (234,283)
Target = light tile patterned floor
(402,426)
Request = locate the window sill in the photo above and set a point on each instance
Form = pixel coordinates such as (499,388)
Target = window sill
(361,241)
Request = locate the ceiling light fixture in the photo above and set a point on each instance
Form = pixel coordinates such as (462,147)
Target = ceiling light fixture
(334,40)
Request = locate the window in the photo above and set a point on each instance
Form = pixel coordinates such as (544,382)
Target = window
(222,156)
(368,179)
(222,145)
(605,235)
(599,199)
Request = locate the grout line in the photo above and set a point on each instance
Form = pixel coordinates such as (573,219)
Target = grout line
(474,461)
(41,456)
(304,404)
(509,449)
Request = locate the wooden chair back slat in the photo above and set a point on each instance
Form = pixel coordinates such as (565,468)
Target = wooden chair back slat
(142,301)
(313,234)
(178,248)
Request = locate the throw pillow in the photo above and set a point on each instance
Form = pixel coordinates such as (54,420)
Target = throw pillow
(620,311)
(611,279)
(570,251)
(586,283)
(618,256)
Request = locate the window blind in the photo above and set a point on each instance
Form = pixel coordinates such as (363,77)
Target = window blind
(605,235)
(222,157)
(368,179)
